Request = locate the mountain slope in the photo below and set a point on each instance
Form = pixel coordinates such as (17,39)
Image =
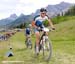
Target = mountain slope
(20,20)
(53,10)
(4,22)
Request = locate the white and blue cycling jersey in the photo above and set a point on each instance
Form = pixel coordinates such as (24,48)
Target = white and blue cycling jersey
(38,20)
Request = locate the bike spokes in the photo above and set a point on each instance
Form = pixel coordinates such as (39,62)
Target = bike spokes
(29,44)
(47,50)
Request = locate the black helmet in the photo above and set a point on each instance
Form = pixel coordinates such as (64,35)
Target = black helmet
(43,10)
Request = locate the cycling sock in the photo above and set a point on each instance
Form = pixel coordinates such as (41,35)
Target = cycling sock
(37,49)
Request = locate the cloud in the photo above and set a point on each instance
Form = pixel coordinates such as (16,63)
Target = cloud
(30,6)
(8,7)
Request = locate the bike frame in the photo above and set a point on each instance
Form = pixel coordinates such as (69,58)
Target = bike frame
(42,38)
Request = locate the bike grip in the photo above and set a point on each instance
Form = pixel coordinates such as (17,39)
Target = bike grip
(53,28)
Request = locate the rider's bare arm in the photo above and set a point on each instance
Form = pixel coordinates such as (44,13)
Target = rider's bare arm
(50,23)
(33,24)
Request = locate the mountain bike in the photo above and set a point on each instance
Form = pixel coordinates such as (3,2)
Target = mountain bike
(45,45)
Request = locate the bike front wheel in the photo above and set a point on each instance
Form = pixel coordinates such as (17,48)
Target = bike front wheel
(47,50)
(29,44)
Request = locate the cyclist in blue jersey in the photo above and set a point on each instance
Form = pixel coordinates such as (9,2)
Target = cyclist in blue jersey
(27,32)
(38,23)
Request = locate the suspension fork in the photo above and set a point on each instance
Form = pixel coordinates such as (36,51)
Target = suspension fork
(44,37)
(41,39)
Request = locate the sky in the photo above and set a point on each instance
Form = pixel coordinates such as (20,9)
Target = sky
(8,7)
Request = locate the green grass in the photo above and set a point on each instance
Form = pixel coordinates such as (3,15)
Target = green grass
(59,19)
(63,42)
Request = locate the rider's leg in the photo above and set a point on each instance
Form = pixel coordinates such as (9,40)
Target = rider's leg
(37,41)
(37,38)
(26,38)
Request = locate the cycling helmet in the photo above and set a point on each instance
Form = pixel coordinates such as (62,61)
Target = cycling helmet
(43,10)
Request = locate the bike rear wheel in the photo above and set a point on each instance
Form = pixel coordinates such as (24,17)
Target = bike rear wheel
(47,50)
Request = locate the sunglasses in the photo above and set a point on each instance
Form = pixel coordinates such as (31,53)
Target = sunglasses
(43,13)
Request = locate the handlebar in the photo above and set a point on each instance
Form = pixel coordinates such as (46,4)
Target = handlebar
(52,29)
(46,29)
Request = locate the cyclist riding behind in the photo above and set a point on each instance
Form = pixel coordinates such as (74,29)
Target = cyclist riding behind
(38,23)
(27,32)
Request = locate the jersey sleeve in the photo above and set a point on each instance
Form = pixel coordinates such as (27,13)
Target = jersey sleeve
(47,17)
(35,17)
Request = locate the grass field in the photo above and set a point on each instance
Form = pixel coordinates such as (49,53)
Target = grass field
(63,42)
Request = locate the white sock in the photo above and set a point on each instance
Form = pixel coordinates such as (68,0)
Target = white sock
(37,49)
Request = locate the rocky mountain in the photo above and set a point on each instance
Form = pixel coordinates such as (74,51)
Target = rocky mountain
(5,21)
(20,20)
(13,16)
(53,10)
